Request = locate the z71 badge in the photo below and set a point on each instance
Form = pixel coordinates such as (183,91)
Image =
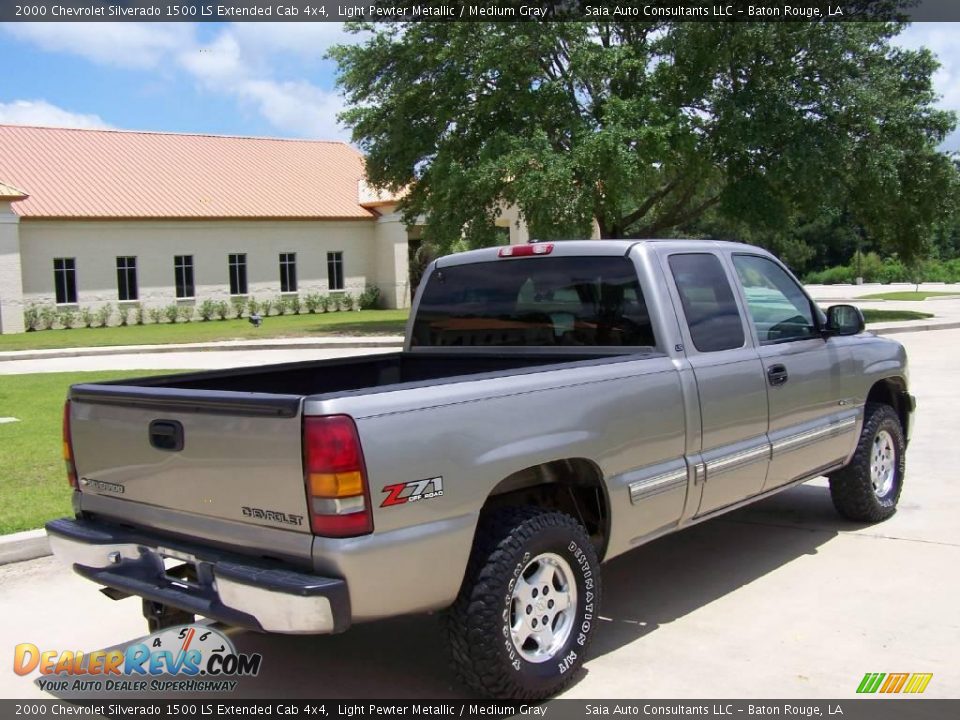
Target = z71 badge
(413,491)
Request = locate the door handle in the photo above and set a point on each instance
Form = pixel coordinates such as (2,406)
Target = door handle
(777,374)
(166,435)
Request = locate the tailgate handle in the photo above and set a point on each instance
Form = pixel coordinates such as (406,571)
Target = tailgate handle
(166,435)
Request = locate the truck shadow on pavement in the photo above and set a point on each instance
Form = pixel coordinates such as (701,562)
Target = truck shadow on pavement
(669,578)
(404,658)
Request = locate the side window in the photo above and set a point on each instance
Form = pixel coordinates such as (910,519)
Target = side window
(778,307)
(708,302)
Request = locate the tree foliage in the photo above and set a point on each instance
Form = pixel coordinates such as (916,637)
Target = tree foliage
(651,129)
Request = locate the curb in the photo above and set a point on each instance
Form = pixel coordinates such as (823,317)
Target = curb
(892,329)
(150,349)
(22,546)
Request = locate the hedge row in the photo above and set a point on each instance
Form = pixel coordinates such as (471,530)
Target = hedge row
(46,317)
(874,269)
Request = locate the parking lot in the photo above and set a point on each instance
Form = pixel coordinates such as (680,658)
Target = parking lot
(779,600)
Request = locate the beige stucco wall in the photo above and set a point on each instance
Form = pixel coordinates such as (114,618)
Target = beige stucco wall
(11,290)
(96,244)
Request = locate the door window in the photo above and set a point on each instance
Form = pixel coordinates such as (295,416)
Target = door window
(708,302)
(778,306)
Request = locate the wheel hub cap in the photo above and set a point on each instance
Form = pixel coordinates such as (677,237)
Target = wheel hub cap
(542,607)
(882,464)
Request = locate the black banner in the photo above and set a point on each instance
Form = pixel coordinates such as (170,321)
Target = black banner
(875,709)
(481,10)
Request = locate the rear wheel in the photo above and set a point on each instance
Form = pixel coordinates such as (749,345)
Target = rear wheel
(868,489)
(526,612)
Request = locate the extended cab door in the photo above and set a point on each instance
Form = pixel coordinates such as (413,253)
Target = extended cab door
(734,449)
(812,424)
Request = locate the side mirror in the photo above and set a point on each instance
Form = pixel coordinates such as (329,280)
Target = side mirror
(844,320)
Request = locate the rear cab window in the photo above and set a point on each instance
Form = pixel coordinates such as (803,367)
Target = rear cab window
(709,306)
(567,301)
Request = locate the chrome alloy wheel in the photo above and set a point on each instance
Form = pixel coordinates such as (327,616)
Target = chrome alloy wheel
(883,464)
(543,607)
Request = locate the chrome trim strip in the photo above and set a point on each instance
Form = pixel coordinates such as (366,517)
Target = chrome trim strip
(667,529)
(738,459)
(699,473)
(794,442)
(657,484)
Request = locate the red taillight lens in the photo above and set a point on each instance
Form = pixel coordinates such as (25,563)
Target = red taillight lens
(335,478)
(526,250)
(68,448)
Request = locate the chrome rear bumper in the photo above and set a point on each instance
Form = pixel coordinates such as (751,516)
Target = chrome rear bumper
(205,581)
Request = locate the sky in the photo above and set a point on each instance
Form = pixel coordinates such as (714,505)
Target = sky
(262,79)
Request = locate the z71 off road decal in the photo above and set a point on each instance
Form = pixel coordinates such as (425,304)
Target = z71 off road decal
(412,491)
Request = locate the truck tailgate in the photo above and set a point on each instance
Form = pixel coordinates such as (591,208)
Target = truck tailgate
(228,455)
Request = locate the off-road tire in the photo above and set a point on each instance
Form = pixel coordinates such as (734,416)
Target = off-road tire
(478,625)
(852,488)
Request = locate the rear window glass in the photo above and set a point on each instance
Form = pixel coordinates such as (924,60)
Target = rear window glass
(708,303)
(534,302)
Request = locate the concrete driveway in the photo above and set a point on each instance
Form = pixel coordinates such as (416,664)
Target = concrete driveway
(782,599)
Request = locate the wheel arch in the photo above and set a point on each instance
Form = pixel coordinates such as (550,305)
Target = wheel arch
(571,485)
(892,391)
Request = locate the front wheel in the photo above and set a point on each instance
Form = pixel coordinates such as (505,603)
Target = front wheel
(868,489)
(527,610)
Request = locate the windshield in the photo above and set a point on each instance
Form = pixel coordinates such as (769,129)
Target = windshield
(534,302)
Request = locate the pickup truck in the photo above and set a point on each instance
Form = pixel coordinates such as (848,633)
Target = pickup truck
(554,406)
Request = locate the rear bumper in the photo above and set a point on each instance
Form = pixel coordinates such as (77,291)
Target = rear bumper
(229,588)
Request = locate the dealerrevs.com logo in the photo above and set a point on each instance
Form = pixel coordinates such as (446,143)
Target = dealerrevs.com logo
(189,658)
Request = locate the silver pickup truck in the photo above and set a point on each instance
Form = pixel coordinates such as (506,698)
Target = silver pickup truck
(554,406)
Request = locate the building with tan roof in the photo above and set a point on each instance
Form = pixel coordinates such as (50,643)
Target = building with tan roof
(90,217)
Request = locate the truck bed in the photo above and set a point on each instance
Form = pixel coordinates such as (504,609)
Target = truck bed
(357,374)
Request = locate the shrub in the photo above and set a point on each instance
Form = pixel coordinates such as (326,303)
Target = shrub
(953,270)
(156,314)
(239,305)
(102,316)
(325,303)
(223,309)
(294,304)
(123,312)
(370,298)
(312,301)
(171,312)
(207,309)
(138,313)
(48,316)
(279,305)
(67,317)
(31,317)
(869,267)
(185,312)
(253,306)
(86,317)
(336,302)
(346,302)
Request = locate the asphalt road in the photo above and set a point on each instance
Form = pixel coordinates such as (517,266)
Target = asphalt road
(782,599)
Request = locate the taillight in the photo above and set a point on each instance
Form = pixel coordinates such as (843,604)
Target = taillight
(68,448)
(526,250)
(334,474)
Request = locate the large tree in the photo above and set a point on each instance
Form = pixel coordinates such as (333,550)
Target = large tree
(646,128)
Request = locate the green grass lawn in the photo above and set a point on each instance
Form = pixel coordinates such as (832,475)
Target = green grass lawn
(365,322)
(875,316)
(33,482)
(906,295)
